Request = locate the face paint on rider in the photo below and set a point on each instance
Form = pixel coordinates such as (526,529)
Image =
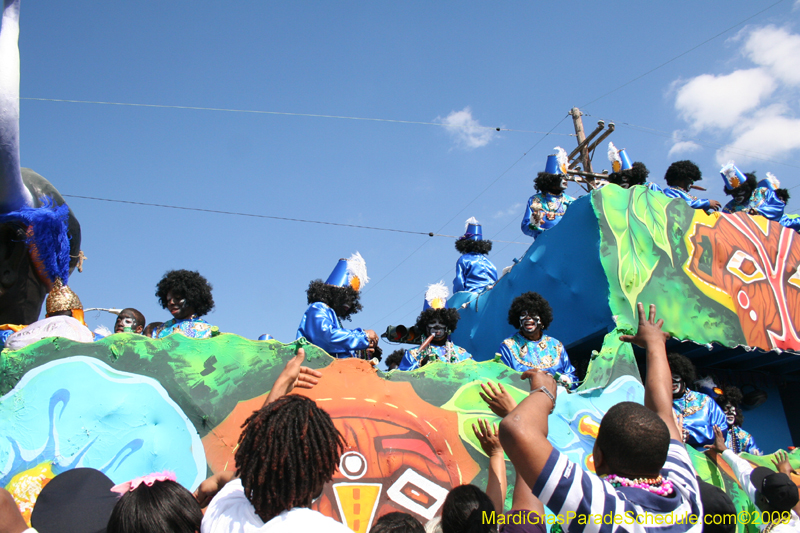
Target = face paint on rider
(439,332)
(678,386)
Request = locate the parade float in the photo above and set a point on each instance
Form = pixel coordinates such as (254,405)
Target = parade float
(727,287)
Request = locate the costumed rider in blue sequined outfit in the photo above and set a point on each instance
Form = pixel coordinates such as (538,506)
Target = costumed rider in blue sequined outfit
(680,177)
(738,440)
(331,302)
(438,322)
(751,196)
(697,413)
(474,271)
(627,174)
(529,347)
(187,296)
(544,210)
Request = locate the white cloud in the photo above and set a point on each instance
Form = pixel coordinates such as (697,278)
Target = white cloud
(683,147)
(776,49)
(709,101)
(515,209)
(753,111)
(467,131)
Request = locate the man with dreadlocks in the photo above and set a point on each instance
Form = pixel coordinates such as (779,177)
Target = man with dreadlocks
(437,321)
(544,210)
(287,452)
(738,440)
(474,271)
(696,412)
(335,300)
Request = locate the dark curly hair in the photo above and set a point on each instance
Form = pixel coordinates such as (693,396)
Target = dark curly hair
(682,171)
(680,364)
(288,450)
(186,284)
(637,175)
(532,302)
(468,246)
(334,297)
(783,195)
(394,359)
(164,506)
(748,186)
(448,317)
(733,396)
(546,182)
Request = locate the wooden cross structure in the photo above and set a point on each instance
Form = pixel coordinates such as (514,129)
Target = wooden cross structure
(580,159)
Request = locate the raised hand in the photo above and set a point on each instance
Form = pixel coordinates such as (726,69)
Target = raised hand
(499,400)
(487,436)
(294,375)
(649,329)
(719,441)
(782,464)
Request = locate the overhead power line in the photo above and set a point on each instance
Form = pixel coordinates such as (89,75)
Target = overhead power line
(271,217)
(285,113)
(665,63)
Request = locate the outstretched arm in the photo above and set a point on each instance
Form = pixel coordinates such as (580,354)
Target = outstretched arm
(658,383)
(293,375)
(523,433)
(497,485)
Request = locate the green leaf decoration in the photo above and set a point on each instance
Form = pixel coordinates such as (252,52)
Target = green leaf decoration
(638,220)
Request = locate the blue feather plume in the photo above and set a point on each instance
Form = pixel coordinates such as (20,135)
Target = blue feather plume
(49,239)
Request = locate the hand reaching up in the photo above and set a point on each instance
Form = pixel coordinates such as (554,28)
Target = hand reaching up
(294,375)
(649,330)
(487,436)
(719,441)
(782,464)
(499,400)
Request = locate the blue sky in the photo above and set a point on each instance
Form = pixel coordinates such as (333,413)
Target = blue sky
(457,66)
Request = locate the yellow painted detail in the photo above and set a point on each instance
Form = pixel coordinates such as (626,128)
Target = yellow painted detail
(27,485)
(357,504)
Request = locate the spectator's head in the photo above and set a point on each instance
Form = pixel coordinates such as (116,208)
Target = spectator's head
(682,174)
(393,361)
(632,442)
(530,313)
(636,175)
(718,508)
(162,507)
(185,293)
(742,193)
(74,501)
(151,327)
(288,450)
(434,320)
(775,491)
(683,373)
(552,183)
(397,523)
(783,195)
(129,318)
(345,301)
(729,401)
(463,510)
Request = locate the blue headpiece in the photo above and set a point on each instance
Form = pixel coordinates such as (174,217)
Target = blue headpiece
(473,231)
(619,158)
(349,272)
(557,162)
(732,176)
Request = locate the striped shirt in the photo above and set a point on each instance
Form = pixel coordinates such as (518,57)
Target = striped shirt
(585,503)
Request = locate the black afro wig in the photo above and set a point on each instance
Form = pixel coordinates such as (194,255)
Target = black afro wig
(783,195)
(334,297)
(186,284)
(637,175)
(394,359)
(468,246)
(748,186)
(680,172)
(448,317)
(733,396)
(546,182)
(680,364)
(532,302)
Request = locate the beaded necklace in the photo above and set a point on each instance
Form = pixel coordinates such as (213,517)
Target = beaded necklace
(736,446)
(657,485)
(450,355)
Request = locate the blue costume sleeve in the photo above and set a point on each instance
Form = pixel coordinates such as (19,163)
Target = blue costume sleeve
(767,204)
(653,187)
(694,203)
(321,327)
(408,362)
(566,369)
(460,281)
(751,447)
(791,222)
(526,220)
